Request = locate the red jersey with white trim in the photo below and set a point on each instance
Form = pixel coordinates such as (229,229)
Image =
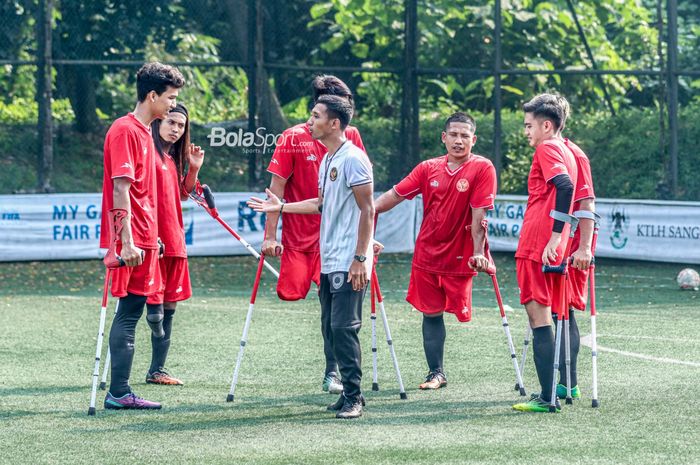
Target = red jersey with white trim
(551,159)
(129,153)
(444,243)
(584,184)
(170,226)
(297,158)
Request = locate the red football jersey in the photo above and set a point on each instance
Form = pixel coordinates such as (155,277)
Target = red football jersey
(444,245)
(129,153)
(297,158)
(551,159)
(584,184)
(170,227)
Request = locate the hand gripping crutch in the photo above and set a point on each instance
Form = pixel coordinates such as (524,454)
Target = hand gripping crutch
(563,315)
(204,197)
(246,327)
(377,292)
(506,328)
(111,261)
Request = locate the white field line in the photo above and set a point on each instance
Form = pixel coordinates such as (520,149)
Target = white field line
(586,341)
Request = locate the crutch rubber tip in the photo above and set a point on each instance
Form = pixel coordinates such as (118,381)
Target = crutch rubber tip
(91,411)
(595,403)
(403,396)
(103,386)
(375,386)
(229,398)
(517,387)
(522,391)
(552,409)
(569,401)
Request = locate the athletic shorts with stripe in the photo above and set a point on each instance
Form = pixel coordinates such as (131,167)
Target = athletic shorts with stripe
(297,271)
(432,293)
(176,281)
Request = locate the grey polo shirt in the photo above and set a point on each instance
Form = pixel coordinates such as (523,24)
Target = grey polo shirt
(340,218)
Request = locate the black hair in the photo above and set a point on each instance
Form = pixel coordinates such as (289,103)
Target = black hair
(179,149)
(157,77)
(327,84)
(460,117)
(337,107)
(547,106)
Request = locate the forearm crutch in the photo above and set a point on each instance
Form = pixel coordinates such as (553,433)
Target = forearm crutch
(204,197)
(380,301)
(246,327)
(373,319)
(562,270)
(108,358)
(594,343)
(111,261)
(523,359)
(506,328)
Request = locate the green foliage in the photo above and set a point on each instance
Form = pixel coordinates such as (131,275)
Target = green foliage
(212,94)
(22,110)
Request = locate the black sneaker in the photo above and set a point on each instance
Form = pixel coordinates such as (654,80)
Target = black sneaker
(338,404)
(351,409)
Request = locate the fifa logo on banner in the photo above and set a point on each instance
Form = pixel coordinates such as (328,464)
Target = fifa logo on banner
(619,223)
(188,223)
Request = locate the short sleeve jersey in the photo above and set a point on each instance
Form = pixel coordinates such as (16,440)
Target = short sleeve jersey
(340,217)
(297,158)
(444,243)
(551,159)
(170,226)
(584,184)
(129,153)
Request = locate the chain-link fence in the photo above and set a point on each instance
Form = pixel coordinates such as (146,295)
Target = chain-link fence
(68,69)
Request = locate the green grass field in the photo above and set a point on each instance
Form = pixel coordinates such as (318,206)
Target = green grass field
(49,317)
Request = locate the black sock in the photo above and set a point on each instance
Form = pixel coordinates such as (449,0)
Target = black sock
(121,342)
(575,346)
(543,351)
(154,317)
(161,345)
(434,341)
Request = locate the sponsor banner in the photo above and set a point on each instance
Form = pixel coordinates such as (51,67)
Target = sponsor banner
(67,226)
(630,229)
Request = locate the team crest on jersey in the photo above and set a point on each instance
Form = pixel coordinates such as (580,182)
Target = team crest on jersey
(434,183)
(311,157)
(337,280)
(334,173)
(462,185)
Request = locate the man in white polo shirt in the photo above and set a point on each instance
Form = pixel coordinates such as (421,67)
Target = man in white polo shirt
(345,188)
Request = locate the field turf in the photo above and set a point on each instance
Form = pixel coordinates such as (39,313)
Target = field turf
(649,371)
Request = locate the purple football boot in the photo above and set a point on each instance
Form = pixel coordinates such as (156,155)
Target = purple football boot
(129,401)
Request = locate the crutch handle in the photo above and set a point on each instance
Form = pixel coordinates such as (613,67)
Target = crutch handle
(208,196)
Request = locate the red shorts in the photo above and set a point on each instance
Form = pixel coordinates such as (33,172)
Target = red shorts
(297,270)
(578,288)
(176,281)
(543,288)
(144,279)
(433,293)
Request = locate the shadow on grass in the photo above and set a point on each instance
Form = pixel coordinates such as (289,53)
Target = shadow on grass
(41,390)
(382,409)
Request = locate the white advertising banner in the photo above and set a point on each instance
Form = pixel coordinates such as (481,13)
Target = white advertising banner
(67,226)
(633,229)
